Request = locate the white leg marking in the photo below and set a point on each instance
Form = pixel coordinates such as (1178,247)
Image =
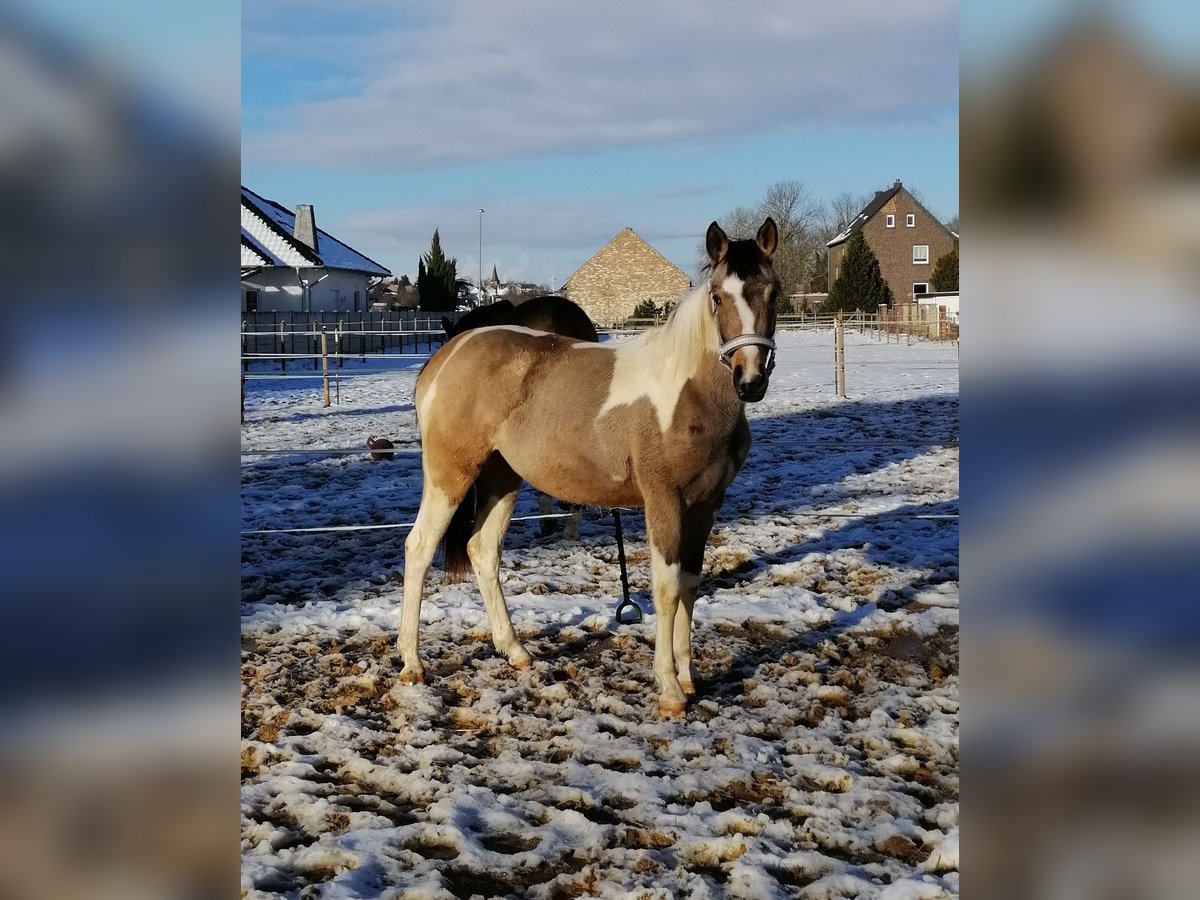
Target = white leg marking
(432,519)
(484,549)
(688,585)
(665,586)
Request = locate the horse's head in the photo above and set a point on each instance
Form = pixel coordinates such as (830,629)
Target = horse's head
(743,288)
(449,327)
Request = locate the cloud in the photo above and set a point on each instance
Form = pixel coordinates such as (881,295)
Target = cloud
(528,238)
(477,81)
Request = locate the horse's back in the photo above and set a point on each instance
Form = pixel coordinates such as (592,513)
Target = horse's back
(555,314)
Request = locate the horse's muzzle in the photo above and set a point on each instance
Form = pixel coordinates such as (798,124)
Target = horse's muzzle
(754,388)
(750,390)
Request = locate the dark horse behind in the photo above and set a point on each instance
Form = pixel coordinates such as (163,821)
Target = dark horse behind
(554,314)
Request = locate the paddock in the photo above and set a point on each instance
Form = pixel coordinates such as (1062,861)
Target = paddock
(819,761)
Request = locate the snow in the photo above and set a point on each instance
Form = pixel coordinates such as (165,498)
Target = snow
(820,759)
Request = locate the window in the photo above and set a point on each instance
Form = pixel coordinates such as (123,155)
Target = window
(910,220)
(920,254)
(251,301)
(891,222)
(356,302)
(920,287)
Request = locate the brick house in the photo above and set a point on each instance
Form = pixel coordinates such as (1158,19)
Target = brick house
(907,239)
(622,274)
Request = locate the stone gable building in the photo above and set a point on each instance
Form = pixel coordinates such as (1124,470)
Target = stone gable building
(905,237)
(623,273)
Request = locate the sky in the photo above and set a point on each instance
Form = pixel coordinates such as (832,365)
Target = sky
(567,123)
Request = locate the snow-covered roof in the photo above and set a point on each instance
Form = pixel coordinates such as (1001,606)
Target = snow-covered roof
(876,204)
(268,239)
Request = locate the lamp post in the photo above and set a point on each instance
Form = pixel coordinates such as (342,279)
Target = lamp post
(481,256)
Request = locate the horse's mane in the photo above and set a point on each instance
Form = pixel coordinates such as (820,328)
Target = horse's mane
(677,347)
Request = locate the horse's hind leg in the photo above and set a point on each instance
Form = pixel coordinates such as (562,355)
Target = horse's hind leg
(498,486)
(546,508)
(437,507)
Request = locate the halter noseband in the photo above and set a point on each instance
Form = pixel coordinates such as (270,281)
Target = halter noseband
(727,349)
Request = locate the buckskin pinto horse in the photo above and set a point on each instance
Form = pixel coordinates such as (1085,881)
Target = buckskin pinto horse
(545,313)
(657,421)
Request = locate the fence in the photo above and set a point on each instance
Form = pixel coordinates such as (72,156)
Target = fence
(313,341)
(918,320)
(298,334)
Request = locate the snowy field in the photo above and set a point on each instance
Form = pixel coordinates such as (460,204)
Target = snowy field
(820,759)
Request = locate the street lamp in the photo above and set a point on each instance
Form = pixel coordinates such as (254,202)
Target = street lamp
(481,256)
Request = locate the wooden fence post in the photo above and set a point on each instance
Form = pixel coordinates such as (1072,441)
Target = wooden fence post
(325,365)
(245,362)
(839,354)
(282,349)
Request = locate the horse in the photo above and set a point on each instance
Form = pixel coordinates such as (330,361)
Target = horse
(544,313)
(656,421)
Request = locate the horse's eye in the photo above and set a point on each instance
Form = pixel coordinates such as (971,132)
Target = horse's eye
(716,298)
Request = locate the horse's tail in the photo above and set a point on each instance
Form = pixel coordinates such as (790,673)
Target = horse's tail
(457,561)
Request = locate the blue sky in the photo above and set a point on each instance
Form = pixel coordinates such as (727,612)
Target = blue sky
(568,123)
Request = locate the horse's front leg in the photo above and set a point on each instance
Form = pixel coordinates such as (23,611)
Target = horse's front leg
(663,525)
(697,524)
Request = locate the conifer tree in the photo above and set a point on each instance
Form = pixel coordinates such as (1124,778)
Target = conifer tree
(437,278)
(859,284)
(945,273)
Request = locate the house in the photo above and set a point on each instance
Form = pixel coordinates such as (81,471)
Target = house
(392,295)
(290,265)
(907,239)
(623,273)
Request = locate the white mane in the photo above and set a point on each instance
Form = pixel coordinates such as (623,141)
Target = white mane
(677,347)
(655,365)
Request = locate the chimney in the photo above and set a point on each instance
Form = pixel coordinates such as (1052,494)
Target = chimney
(305,230)
(898,183)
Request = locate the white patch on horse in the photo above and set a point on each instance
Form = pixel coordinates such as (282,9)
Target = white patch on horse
(430,392)
(656,364)
(520,329)
(733,288)
(632,380)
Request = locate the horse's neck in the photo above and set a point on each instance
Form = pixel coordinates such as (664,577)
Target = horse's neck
(716,382)
(690,345)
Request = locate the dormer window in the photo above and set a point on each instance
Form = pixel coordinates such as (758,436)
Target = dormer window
(910,220)
(891,222)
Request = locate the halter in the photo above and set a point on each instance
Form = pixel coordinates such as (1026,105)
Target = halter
(727,349)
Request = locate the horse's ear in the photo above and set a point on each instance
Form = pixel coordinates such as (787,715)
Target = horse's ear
(716,243)
(768,237)
(448,326)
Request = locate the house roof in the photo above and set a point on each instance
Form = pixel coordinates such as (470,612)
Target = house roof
(267,240)
(881,197)
(876,204)
(617,237)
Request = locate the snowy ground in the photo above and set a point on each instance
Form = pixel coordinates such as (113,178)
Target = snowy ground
(821,759)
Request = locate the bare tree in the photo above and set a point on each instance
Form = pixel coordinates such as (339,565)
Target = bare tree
(843,209)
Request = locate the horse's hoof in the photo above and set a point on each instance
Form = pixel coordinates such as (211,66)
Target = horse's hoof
(412,676)
(671,709)
(521,662)
(688,688)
